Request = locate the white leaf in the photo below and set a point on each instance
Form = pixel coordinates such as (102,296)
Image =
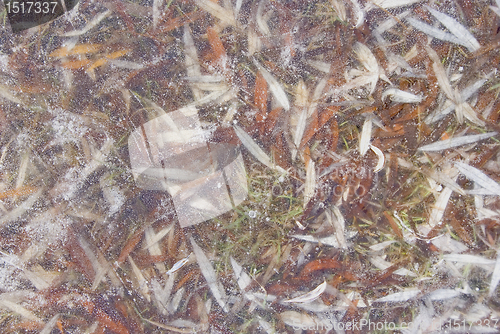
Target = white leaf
(178,265)
(338,222)
(299,131)
(496,10)
(366,57)
(387,4)
(440,72)
(399,296)
(310,183)
(89,25)
(308,297)
(5,93)
(261,22)
(440,206)
(143,283)
(433,31)
(20,209)
(382,245)
(158,236)
(329,241)
(454,142)
(479,177)
(463,35)
(16,308)
(467,258)
(441,294)
(294,319)
(366,134)
(241,276)
(381,158)
(495,277)
(359,13)
(400,96)
(226,16)
(209,273)
(465,110)
(274,86)
(254,149)
(47,329)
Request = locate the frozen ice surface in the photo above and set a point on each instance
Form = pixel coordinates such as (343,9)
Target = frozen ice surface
(171,153)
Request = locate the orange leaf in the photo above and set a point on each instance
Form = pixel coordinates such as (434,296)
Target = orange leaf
(130,246)
(319,264)
(75,64)
(393,224)
(117,54)
(185,278)
(272,118)
(215,43)
(260,98)
(76,50)
(177,22)
(311,129)
(106,320)
(97,64)
(327,114)
(21,191)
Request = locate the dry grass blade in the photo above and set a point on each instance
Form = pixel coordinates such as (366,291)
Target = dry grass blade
(16,308)
(210,276)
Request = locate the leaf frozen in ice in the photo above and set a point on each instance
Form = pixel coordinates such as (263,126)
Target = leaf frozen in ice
(366,134)
(255,150)
(479,177)
(455,142)
(310,296)
(468,258)
(432,31)
(400,96)
(399,296)
(225,15)
(388,4)
(210,276)
(463,35)
(310,184)
(495,277)
(274,86)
